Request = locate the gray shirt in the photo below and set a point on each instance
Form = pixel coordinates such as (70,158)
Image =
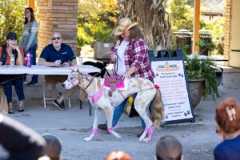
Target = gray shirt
(29,37)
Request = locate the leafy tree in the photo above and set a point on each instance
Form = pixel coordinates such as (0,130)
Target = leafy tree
(152,17)
(96,19)
(181,14)
(11,17)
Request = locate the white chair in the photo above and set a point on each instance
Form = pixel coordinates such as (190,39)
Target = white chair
(47,99)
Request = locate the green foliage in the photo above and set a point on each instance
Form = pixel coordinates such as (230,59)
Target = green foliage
(181,14)
(96,20)
(11,17)
(203,69)
(216,28)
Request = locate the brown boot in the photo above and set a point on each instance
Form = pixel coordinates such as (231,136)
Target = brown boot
(21,106)
(10,108)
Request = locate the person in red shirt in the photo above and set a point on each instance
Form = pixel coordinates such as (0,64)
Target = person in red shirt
(12,54)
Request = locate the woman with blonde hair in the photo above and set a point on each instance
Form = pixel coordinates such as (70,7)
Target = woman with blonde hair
(130,56)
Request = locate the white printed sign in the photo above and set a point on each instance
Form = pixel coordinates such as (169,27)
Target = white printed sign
(169,75)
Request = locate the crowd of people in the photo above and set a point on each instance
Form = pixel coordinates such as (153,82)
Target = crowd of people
(55,54)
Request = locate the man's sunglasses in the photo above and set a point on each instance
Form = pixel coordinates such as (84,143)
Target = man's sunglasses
(56,38)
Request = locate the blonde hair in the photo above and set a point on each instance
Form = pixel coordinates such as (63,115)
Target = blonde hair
(118,155)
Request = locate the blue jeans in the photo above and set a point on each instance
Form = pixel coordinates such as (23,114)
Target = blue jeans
(18,84)
(118,111)
(32,51)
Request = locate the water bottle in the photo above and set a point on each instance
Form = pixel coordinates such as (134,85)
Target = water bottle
(12,59)
(28,57)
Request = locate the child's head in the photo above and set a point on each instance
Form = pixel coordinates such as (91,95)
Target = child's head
(118,155)
(53,147)
(168,147)
(228,116)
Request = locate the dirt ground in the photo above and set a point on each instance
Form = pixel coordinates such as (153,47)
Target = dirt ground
(72,125)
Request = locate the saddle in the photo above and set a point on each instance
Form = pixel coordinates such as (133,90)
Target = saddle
(113,81)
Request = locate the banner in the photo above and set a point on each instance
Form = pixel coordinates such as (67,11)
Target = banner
(170,76)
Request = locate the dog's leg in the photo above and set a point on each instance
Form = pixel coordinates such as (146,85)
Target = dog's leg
(141,104)
(95,127)
(109,116)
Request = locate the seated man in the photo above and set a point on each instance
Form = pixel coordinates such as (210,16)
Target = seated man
(57,54)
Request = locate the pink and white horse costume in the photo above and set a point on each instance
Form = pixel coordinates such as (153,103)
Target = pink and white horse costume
(99,97)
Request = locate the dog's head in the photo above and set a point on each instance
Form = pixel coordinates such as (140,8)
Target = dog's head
(72,79)
(99,65)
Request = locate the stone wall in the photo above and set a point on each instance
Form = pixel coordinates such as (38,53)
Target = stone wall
(60,16)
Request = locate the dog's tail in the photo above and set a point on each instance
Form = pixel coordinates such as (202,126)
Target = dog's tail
(157,109)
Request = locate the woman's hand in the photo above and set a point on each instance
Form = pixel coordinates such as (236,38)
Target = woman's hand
(14,46)
(113,58)
(130,71)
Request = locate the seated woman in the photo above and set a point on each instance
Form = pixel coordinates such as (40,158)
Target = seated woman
(228,128)
(11,54)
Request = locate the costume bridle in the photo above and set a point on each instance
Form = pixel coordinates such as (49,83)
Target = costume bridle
(82,76)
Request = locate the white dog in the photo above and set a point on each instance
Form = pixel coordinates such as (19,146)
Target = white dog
(99,97)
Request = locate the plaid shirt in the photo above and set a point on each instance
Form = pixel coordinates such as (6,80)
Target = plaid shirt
(136,56)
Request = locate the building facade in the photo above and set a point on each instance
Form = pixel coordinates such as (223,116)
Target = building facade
(56,16)
(61,16)
(232,32)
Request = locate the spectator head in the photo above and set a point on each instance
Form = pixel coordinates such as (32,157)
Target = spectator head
(29,15)
(168,148)
(53,147)
(118,155)
(57,40)
(11,38)
(228,116)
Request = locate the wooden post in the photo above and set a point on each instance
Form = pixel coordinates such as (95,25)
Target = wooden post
(31,3)
(227,29)
(57,16)
(196,27)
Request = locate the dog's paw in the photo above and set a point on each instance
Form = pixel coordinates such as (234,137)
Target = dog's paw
(115,134)
(143,136)
(87,139)
(147,139)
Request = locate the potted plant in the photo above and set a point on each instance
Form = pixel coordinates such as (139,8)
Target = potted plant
(201,77)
